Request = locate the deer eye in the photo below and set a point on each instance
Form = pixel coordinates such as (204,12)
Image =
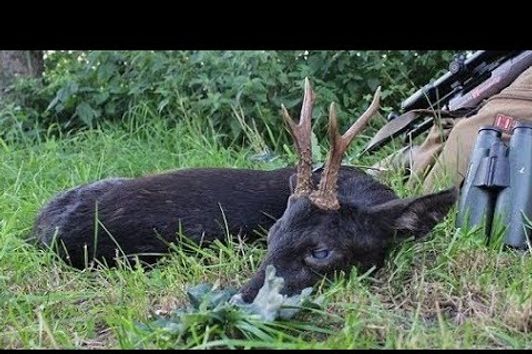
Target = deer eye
(321,253)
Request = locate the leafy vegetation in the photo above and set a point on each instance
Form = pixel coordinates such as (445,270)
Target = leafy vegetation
(82,89)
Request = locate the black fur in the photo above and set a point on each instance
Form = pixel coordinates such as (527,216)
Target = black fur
(139,212)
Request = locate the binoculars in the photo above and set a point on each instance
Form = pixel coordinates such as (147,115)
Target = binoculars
(498,186)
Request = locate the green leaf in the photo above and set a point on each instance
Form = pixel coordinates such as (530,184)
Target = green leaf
(55,100)
(101,97)
(105,71)
(110,108)
(86,113)
(197,294)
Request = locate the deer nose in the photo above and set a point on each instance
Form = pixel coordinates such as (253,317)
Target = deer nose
(249,291)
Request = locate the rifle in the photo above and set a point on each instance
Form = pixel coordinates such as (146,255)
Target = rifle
(457,93)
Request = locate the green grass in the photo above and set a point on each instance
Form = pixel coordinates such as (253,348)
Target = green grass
(450,291)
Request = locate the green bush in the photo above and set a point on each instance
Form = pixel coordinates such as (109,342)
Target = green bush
(80,90)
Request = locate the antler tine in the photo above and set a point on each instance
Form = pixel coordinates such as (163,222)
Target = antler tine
(301,134)
(325,197)
(362,122)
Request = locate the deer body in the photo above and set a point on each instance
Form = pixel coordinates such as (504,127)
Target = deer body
(144,214)
(319,222)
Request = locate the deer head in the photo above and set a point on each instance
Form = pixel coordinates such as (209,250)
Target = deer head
(348,220)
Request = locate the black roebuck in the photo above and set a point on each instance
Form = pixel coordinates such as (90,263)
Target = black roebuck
(319,222)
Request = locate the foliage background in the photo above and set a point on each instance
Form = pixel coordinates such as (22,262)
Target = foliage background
(81,89)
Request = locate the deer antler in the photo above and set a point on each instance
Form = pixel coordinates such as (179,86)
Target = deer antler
(325,197)
(301,133)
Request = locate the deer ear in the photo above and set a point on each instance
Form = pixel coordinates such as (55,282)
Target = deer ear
(416,216)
